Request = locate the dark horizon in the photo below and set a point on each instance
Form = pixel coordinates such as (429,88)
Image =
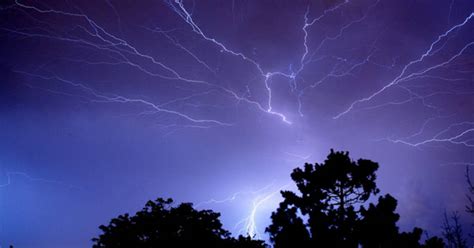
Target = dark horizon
(105,105)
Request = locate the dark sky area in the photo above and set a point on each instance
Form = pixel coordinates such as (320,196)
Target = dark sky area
(107,104)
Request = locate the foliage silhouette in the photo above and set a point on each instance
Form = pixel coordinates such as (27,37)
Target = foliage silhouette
(470,195)
(452,231)
(159,224)
(329,211)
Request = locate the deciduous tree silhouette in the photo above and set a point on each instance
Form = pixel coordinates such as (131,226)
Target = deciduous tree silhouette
(470,194)
(159,224)
(329,211)
(452,231)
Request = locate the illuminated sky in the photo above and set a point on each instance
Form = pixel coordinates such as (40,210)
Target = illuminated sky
(107,104)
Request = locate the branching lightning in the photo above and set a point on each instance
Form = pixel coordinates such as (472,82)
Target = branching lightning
(99,97)
(455,134)
(234,196)
(249,225)
(404,75)
(123,52)
(10,175)
(115,50)
(258,199)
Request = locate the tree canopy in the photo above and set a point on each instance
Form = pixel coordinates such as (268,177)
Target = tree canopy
(329,209)
(335,206)
(160,224)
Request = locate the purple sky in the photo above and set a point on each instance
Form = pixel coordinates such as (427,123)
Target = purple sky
(107,104)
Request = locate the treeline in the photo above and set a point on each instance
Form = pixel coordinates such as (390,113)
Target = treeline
(329,210)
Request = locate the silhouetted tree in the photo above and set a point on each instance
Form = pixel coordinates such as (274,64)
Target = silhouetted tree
(159,224)
(379,227)
(288,227)
(470,195)
(434,242)
(452,231)
(329,211)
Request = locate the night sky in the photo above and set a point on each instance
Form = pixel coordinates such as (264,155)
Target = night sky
(107,104)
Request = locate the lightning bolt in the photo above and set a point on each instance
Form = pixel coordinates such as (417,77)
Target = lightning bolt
(12,174)
(115,50)
(249,223)
(405,76)
(122,50)
(178,7)
(259,198)
(234,196)
(100,97)
(455,134)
